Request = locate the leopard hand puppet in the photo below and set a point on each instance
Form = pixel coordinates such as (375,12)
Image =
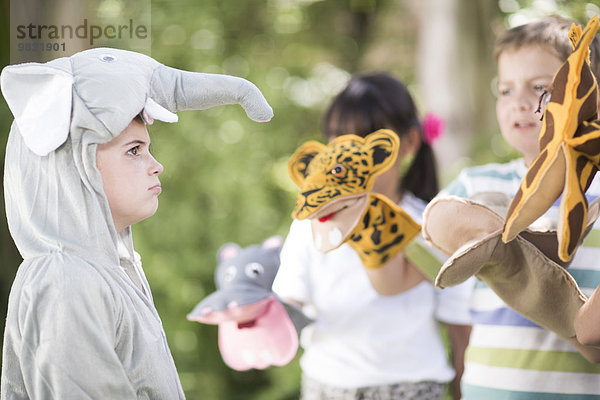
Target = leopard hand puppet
(525,273)
(570,150)
(335,183)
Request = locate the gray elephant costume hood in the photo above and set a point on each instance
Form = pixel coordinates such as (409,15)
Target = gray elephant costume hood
(81,320)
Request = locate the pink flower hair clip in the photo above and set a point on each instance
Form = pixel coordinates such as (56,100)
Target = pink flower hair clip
(433,128)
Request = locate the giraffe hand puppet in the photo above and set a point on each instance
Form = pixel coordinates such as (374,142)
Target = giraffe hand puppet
(256,329)
(335,183)
(525,273)
(569,150)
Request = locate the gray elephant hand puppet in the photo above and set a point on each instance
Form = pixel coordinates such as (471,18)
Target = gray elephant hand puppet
(256,329)
(525,273)
(101,90)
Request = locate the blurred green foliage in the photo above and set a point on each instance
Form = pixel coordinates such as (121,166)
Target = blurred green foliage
(225,176)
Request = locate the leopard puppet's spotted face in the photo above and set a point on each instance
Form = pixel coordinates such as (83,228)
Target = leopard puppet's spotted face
(335,180)
(345,167)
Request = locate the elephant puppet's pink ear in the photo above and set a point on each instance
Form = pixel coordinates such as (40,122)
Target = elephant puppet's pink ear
(228,251)
(40,98)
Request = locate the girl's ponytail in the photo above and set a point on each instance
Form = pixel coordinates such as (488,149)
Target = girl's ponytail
(421,177)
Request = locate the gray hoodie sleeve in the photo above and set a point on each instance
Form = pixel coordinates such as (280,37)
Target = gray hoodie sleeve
(68,343)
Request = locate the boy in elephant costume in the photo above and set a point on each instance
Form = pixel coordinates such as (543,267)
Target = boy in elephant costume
(81,319)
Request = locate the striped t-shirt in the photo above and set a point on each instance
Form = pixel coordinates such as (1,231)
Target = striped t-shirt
(510,357)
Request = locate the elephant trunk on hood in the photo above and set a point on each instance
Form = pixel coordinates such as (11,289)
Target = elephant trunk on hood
(114,86)
(179,90)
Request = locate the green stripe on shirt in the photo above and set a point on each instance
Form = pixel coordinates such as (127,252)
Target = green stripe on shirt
(538,360)
(592,239)
(471,392)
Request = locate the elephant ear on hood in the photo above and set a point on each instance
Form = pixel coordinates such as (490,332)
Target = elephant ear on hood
(40,98)
(113,86)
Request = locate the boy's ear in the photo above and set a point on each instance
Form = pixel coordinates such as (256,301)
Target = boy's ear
(382,147)
(40,98)
(298,164)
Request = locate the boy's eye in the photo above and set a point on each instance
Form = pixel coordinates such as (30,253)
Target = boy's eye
(134,151)
(504,91)
(540,88)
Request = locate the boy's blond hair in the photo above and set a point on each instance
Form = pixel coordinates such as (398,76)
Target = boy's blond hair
(551,33)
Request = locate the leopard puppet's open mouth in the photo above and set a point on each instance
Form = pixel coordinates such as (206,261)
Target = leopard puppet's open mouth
(332,224)
(328,217)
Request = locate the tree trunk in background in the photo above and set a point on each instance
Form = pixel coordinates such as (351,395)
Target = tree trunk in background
(9,256)
(454,69)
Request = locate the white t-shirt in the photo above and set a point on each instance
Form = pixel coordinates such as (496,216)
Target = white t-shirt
(360,338)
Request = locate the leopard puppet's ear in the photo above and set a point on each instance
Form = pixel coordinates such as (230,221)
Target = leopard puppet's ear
(382,147)
(298,164)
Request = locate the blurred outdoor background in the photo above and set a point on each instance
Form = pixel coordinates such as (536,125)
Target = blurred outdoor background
(225,176)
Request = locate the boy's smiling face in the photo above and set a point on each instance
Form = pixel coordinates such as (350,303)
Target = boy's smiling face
(129,175)
(523,75)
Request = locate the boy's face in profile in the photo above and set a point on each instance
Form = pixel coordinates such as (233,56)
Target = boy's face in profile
(129,175)
(523,75)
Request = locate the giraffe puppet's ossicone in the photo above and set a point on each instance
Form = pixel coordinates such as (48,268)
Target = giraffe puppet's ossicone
(569,150)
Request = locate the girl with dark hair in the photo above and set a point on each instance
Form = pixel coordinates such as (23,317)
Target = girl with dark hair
(376,332)
(375,101)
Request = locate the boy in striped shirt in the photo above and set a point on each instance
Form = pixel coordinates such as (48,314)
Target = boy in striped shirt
(510,357)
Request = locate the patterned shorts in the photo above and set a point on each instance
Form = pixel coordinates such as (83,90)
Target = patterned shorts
(314,390)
